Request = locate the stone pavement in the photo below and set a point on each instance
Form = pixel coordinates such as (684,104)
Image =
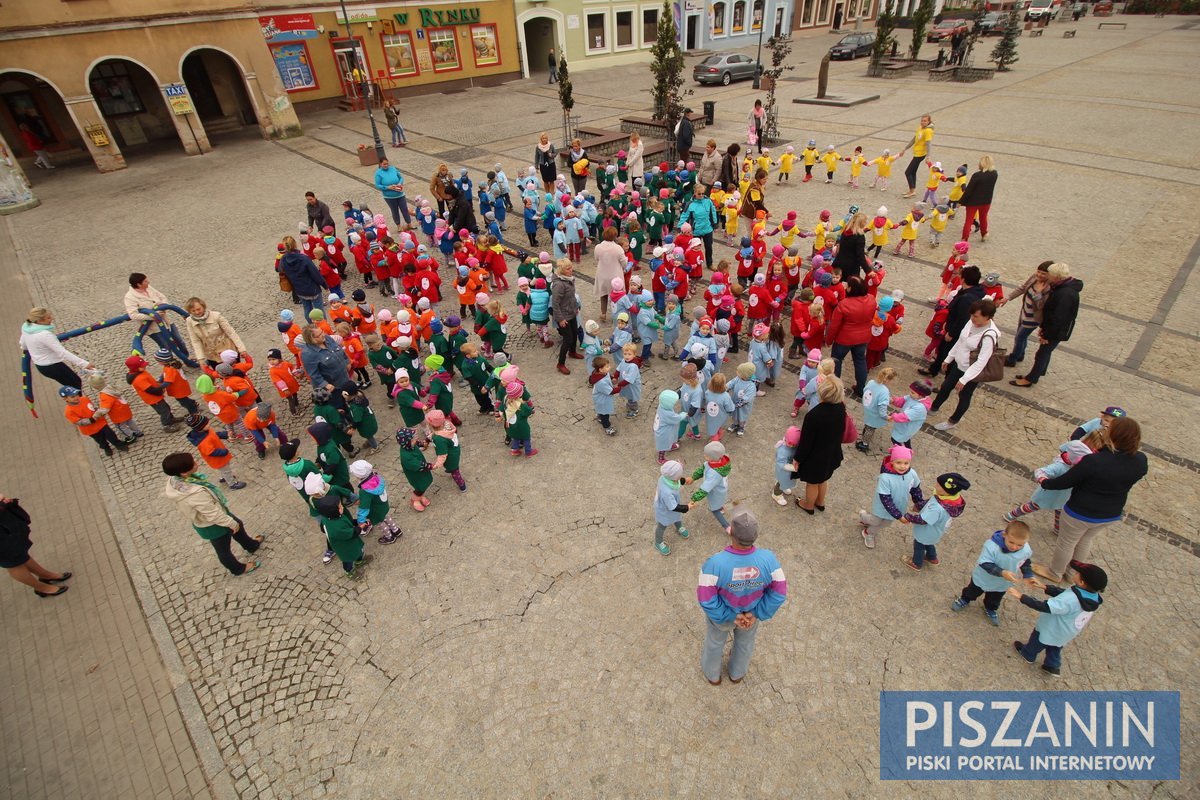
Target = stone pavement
(91,709)
(525,638)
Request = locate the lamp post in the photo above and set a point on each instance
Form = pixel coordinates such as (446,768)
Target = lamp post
(758,70)
(364,84)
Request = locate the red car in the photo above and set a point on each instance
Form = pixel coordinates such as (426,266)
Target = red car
(946,29)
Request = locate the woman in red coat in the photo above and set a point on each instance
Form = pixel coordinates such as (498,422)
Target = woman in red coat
(850,330)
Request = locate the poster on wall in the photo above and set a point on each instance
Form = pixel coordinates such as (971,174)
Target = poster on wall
(295,69)
(483,38)
(288,27)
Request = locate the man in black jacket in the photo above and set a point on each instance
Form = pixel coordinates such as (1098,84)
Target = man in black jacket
(462,213)
(958,313)
(1058,321)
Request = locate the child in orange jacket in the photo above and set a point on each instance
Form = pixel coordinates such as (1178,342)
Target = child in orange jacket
(222,405)
(82,414)
(114,409)
(152,391)
(212,449)
(292,336)
(260,421)
(177,385)
(356,353)
(283,380)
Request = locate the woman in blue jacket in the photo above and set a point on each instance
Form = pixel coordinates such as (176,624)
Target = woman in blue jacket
(389,181)
(703,215)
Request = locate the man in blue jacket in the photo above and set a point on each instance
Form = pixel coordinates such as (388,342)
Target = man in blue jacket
(739,587)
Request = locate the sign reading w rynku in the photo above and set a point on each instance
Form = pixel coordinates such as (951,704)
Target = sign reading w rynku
(1131,736)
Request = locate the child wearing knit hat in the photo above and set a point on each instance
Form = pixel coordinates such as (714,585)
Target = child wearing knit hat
(260,421)
(516,415)
(667,420)
(212,449)
(808,375)
(360,417)
(1054,499)
(176,384)
(113,408)
(897,484)
(714,482)
(912,409)
(475,370)
(669,508)
(742,390)
(373,505)
(785,465)
(1063,616)
(691,399)
(444,438)
(933,519)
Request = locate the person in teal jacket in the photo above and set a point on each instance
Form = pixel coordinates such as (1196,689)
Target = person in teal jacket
(932,520)
(912,409)
(897,487)
(390,182)
(1003,561)
(1063,616)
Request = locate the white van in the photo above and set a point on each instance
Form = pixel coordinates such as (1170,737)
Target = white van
(1039,9)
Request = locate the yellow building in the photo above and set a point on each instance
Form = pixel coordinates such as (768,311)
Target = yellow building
(117,78)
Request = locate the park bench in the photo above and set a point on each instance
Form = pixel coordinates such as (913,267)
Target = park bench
(943,73)
(1120,25)
(896,70)
(1069,34)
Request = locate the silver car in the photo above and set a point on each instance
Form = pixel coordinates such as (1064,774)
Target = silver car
(724,68)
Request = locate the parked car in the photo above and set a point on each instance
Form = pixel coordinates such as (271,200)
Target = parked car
(853,45)
(724,68)
(946,29)
(1039,9)
(993,24)
(1103,9)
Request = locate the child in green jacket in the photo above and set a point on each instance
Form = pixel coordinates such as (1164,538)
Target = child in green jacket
(417,470)
(373,505)
(342,533)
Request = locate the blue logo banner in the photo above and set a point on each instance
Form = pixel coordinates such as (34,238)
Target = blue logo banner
(1046,736)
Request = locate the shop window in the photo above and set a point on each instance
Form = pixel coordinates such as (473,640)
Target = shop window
(718,23)
(294,66)
(484,42)
(756,19)
(823,12)
(444,49)
(112,86)
(597,31)
(398,52)
(623,29)
(649,26)
(739,17)
(806,14)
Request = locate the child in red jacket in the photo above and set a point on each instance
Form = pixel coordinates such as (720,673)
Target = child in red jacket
(283,380)
(777,289)
(936,329)
(883,327)
(801,319)
(761,304)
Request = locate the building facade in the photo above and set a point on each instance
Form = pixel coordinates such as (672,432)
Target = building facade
(122,77)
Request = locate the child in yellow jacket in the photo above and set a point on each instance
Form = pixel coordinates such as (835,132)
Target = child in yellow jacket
(908,229)
(810,155)
(937,223)
(830,158)
(883,169)
(785,164)
(857,162)
(936,176)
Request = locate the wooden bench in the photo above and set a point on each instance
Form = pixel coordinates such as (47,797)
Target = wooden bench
(943,73)
(894,70)
(1120,25)
(1069,34)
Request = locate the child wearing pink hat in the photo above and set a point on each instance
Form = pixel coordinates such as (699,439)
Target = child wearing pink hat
(444,438)
(785,465)
(898,484)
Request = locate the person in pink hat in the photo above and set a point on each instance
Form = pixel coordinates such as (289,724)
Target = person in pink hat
(898,487)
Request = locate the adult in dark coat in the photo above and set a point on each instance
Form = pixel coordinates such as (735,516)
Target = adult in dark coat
(462,213)
(977,198)
(684,136)
(851,256)
(543,161)
(819,453)
(325,362)
(730,169)
(318,212)
(564,309)
(1058,321)
(14,552)
(958,313)
(307,283)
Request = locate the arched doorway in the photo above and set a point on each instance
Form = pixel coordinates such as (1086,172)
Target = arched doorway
(132,103)
(218,91)
(26,99)
(539,35)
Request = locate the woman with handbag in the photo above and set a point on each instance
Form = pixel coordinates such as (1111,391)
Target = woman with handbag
(755,125)
(968,361)
(819,453)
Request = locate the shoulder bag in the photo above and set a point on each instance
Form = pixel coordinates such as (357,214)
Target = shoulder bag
(994,369)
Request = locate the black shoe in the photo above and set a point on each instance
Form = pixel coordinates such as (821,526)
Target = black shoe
(61,590)
(1051,670)
(862,447)
(1010,362)
(65,577)
(1019,646)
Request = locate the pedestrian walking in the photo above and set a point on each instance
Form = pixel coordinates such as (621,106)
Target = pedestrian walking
(203,504)
(15,525)
(739,587)
(552,62)
(46,352)
(1058,321)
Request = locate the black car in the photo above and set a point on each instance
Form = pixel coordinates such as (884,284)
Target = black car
(853,45)
(993,24)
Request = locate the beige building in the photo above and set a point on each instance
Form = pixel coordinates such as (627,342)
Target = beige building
(118,78)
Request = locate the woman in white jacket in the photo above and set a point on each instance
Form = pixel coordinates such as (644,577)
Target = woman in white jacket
(979,334)
(46,352)
(634,159)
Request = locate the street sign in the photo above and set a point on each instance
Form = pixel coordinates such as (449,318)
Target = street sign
(175,90)
(178,99)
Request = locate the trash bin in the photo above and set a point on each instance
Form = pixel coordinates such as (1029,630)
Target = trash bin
(710,111)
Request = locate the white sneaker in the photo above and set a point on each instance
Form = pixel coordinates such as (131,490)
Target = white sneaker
(779,499)
(946,426)
(868,539)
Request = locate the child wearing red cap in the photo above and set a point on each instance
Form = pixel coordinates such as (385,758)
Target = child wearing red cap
(152,391)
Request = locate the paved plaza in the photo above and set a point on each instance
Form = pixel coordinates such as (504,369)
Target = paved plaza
(525,639)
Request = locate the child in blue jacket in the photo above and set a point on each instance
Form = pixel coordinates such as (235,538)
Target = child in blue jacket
(898,486)
(743,390)
(932,520)
(1063,616)
(911,411)
(1052,499)
(877,403)
(1003,561)
(669,508)
(531,221)
(602,393)
(666,423)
